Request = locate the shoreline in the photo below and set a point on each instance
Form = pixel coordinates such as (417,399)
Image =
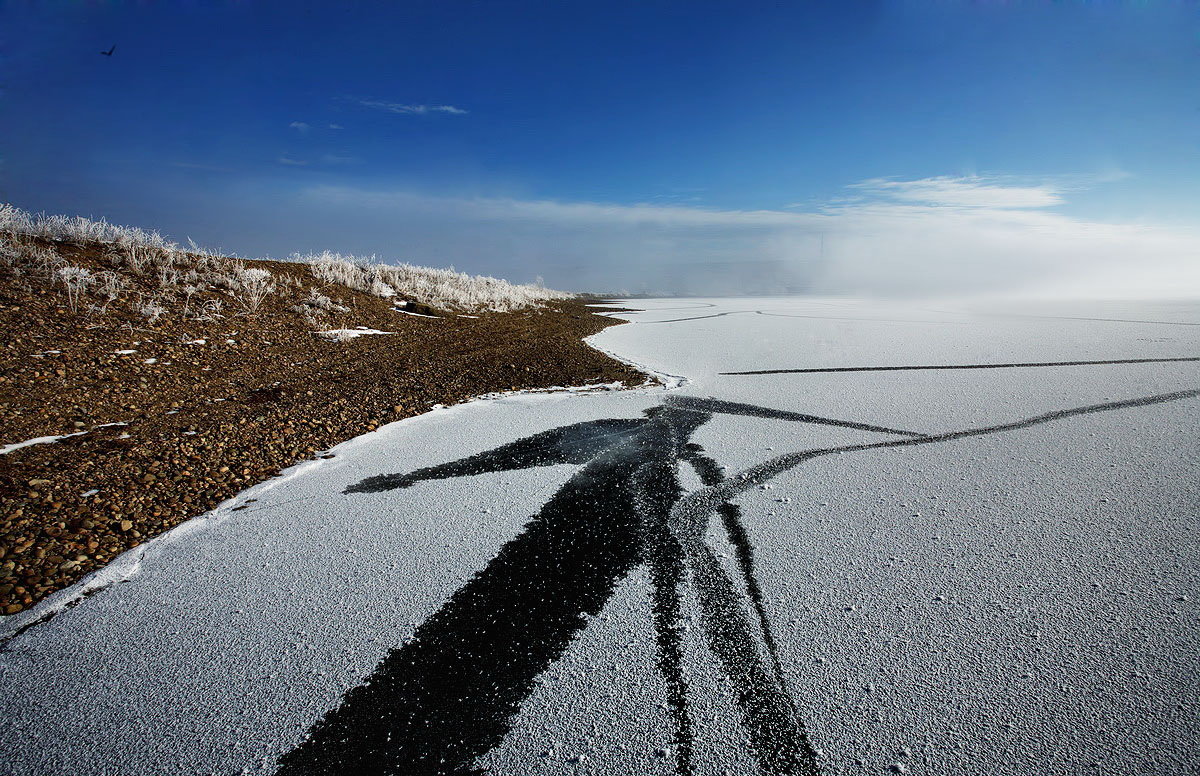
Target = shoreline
(147,440)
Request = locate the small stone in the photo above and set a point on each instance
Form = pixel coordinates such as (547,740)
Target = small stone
(126,525)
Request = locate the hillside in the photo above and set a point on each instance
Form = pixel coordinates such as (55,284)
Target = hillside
(176,378)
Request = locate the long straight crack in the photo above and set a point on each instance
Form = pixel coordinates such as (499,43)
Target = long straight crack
(1027,364)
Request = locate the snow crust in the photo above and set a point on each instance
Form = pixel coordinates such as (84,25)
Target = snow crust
(1021,602)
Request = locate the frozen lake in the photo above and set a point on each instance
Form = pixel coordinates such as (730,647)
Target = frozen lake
(852,538)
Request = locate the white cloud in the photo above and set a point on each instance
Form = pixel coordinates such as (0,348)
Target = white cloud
(941,237)
(287,160)
(336,126)
(971,191)
(299,126)
(411,110)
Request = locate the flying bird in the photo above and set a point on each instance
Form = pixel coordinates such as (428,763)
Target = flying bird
(110,51)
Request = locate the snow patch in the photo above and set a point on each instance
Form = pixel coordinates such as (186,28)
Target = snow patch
(422,315)
(343,335)
(37,441)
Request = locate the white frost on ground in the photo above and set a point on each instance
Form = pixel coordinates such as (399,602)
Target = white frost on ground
(342,335)
(1009,604)
(6,449)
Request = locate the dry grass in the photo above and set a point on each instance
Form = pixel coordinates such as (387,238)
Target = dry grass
(155,277)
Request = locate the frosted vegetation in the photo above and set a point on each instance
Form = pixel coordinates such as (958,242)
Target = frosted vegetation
(444,289)
(181,276)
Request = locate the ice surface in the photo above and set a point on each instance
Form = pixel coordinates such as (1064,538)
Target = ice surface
(1018,601)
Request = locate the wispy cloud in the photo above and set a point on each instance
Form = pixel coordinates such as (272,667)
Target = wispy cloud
(299,126)
(410,110)
(336,126)
(974,191)
(287,160)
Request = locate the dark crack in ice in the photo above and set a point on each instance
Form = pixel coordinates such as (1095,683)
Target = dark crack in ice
(449,695)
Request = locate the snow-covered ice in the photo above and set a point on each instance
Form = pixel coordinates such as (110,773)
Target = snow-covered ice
(983,569)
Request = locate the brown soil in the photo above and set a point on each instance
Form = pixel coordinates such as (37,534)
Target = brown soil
(205,421)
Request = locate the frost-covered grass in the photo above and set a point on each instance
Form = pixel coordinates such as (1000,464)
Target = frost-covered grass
(183,273)
(147,281)
(441,288)
(77,229)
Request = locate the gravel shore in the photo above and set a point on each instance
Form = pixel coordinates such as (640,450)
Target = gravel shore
(161,422)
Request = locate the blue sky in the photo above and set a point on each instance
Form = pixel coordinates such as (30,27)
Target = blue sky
(649,145)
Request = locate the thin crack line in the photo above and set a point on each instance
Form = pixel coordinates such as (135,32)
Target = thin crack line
(1078,318)
(699,504)
(796,315)
(826,370)
(696,404)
